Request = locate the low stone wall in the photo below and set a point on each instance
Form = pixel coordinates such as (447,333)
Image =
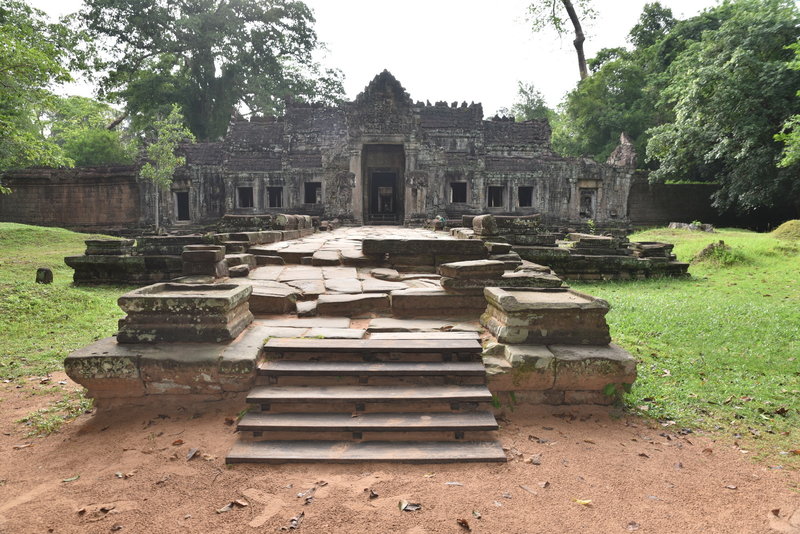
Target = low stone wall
(100,199)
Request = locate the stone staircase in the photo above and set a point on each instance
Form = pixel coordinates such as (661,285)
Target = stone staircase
(340,400)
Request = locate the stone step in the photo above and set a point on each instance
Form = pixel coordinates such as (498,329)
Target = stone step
(368,422)
(352,452)
(287,345)
(372,350)
(367,394)
(424,335)
(306,368)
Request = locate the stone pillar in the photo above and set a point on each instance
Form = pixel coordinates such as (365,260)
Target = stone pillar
(358,190)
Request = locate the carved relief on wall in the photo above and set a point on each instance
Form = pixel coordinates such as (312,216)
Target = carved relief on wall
(340,193)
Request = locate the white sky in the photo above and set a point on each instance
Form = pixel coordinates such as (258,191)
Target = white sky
(451,50)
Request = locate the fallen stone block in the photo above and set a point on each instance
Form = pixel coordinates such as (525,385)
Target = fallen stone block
(239,271)
(241,259)
(326,257)
(109,247)
(472,269)
(203,253)
(352,305)
(385,274)
(422,301)
(497,248)
(269,260)
(484,225)
(184,312)
(343,285)
(545,316)
(509,280)
(306,308)
(270,300)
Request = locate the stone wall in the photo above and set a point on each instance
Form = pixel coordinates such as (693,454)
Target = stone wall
(87,198)
(660,204)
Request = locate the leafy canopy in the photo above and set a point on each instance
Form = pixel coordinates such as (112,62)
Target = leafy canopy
(730,92)
(32,55)
(80,126)
(208,56)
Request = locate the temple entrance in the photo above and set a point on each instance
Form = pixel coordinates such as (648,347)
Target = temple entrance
(383,183)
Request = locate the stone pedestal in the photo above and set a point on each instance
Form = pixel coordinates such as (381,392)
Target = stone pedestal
(184,312)
(546,316)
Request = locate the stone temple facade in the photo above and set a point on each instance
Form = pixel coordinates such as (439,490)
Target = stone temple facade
(383,159)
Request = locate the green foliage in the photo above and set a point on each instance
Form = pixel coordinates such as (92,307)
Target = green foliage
(32,55)
(530,104)
(730,92)
(79,125)
(161,158)
(790,133)
(209,56)
(718,351)
(41,324)
(655,22)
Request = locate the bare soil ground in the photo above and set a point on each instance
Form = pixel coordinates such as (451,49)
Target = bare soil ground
(591,473)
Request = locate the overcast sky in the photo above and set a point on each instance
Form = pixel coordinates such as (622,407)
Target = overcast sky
(455,49)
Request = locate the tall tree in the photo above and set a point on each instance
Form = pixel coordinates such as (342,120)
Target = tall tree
(82,127)
(790,133)
(209,56)
(169,132)
(551,13)
(730,92)
(33,53)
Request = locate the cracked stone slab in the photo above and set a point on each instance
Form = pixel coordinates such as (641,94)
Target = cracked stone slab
(371,285)
(336,333)
(353,305)
(330,273)
(387,324)
(309,288)
(306,322)
(292,273)
(344,285)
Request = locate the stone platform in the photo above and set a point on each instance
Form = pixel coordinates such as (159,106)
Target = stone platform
(367,299)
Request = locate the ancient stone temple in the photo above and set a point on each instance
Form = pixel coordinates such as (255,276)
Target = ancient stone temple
(384,159)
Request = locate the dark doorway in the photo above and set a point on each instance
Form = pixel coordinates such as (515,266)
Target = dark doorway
(525,195)
(244,197)
(383,166)
(313,193)
(275,197)
(182,205)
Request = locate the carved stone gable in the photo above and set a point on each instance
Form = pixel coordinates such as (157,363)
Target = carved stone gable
(384,107)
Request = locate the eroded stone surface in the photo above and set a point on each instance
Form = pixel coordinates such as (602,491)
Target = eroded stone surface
(473,269)
(353,305)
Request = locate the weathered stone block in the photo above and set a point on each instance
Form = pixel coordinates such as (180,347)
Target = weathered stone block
(217,270)
(380,246)
(472,269)
(110,247)
(546,316)
(423,301)
(510,280)
(484,225)
(287,235)
(106,369)
(241,259)
(44,275)
(203,253)
(168,245)
(273,300)
(184,312)
(497,248)
(582,368)
(239,271)
(326,257)
(527,367)
(352,305)
(193,369)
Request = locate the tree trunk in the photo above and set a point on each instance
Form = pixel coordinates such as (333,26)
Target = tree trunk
(155,204)
(579,38)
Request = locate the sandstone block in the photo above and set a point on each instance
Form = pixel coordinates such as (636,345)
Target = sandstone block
(545,316)
(353,305)
(484,225)
(203,253)
(582,368)
(326,257)
(422,301)
(106,369)
(472,269)
(497,248)
(110,247)
(273,300)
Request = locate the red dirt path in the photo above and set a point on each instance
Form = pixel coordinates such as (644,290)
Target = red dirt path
(639,477)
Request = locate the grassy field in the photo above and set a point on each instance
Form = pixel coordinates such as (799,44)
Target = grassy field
(720,351)
(41,324)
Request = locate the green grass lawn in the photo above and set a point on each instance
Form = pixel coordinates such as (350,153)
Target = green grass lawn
(41,324)
(720,351)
